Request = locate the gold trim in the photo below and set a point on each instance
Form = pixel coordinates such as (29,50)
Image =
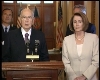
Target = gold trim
(32,56)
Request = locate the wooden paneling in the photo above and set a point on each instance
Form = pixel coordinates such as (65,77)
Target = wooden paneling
(93,12)
(78,2)
(48,21)
(48,29)
(49,42)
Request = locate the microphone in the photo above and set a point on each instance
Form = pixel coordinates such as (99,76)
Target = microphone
(33,50)
(37,43)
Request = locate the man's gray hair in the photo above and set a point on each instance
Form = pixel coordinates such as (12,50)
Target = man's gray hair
(82,7)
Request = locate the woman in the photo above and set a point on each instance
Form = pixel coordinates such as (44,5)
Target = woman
(80,51)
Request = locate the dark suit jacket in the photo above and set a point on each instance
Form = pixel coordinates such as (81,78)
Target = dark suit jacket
(16,49)
(4,36)
(91,29)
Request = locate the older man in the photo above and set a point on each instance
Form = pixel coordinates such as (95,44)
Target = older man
(16,48)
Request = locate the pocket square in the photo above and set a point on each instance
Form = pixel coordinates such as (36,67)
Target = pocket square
(2,42)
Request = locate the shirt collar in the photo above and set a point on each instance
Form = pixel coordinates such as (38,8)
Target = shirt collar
(8,27)
(24,32)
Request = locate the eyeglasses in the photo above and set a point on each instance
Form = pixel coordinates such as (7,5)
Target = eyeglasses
(24,17)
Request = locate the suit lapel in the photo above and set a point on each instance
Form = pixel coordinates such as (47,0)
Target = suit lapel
(20,41)
(32,36)
(74,45)
(84,45)
(11,28)
(3,34)
(32,41)
(19,37)
(2,29)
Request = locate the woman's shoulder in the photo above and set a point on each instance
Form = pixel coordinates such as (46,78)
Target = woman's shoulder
(91,35)
(69,37)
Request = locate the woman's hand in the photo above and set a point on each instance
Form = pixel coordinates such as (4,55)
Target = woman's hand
(80,78)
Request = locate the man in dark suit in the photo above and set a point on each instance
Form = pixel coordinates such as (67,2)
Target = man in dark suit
(16,48)
(7,16)
(91,28)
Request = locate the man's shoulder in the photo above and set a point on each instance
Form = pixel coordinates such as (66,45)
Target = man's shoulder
(91,25)
(13,27)
(16,30)
(38,32)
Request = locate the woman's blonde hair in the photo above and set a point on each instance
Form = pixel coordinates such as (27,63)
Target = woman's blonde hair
(84,20)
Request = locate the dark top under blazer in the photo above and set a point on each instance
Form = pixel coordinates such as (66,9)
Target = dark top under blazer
(91,29)
(16,49)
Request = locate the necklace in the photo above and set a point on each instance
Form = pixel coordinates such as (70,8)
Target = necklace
(80,38)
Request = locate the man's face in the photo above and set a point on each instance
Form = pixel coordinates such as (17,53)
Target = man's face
(7,16)
(26,19)
(76,10)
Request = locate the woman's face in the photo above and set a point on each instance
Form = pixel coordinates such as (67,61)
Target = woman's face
(77,23)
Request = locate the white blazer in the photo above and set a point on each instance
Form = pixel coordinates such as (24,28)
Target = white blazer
(88,63)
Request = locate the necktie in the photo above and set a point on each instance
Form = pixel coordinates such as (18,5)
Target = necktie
(27,42)
(6,30)
(26,38)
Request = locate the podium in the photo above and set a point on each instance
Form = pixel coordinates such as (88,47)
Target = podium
(32,70)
